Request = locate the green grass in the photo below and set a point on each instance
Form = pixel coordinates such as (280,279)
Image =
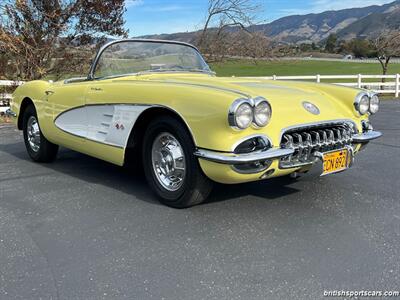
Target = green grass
(297,68)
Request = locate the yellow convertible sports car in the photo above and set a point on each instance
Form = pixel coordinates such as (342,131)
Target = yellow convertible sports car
(158,103)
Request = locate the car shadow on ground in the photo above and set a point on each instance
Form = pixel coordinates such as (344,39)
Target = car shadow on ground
(131,181)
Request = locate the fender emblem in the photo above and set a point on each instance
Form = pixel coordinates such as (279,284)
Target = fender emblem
(119,126)
(308,106)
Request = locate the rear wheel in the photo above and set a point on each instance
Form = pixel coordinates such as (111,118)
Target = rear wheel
(170,167)
(37,146)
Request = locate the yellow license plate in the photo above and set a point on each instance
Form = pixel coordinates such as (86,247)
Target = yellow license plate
(335,161)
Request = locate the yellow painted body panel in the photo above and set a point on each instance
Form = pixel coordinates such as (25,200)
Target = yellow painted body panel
(202,101)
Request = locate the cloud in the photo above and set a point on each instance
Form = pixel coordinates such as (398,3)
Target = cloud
(147,7)
(132,3)
(170,8)
(317,6)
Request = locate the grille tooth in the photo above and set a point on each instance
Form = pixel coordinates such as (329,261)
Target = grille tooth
(324,138)
(307,141)
(299,144)
(317,139)
(331,137)
(308,145)
(338,135)
(344,134)
(289,141)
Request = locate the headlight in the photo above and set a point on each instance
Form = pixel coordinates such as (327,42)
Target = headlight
(240,114)
(374,104)
(362,103)
(262,112)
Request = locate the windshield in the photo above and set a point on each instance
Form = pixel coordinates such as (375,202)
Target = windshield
(129,57)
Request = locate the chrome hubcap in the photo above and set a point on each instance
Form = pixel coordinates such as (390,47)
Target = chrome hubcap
(33,134)
(168,161)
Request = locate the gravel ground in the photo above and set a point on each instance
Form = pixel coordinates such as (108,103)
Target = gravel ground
(81,228)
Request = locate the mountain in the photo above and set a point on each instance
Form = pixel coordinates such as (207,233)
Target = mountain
(373,24)
(346,23)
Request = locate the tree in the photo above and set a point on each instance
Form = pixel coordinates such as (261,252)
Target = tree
(314,46)
(360,48)
(330,45)
(254,45)
(226,16)
(386,46)
(41,36)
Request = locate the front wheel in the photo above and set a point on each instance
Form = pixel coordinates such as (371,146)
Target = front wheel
(37,146)
(171,169)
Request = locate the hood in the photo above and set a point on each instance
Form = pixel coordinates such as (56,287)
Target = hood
(286,97)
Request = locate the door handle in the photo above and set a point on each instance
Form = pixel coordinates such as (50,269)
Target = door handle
(48,93)
(96,89)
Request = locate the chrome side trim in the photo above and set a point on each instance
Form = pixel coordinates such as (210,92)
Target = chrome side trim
(228,158)
(366,136)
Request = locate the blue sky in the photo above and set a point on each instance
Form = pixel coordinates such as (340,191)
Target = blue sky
(169,16)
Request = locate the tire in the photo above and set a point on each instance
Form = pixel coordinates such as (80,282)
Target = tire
(168,144)
(39,148)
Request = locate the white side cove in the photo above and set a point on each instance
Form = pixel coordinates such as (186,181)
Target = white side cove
(106,124)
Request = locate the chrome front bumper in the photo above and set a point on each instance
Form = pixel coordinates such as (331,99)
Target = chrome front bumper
(10,113)
(232,159)
(366,136)
(270,154)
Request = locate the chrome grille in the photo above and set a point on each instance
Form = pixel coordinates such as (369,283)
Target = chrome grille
(307,141)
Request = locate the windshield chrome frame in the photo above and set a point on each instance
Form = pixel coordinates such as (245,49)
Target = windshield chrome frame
(103,48)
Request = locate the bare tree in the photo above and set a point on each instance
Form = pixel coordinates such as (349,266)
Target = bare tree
(226,14)
(39,36)
(386,46)
(253,45)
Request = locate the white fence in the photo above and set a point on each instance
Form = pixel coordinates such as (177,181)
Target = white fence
(341,60)
(5,97)
(8,83)
(374,82)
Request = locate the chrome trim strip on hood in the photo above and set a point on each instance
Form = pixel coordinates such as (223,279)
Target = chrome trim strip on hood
(243,94)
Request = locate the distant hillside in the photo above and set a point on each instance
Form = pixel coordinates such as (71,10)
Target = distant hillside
(347,23)
(372,24)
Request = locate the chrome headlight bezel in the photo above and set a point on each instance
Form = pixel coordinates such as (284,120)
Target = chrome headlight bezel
(374,103)
(360,105)
(233,113)
(253,103)
(258,101)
